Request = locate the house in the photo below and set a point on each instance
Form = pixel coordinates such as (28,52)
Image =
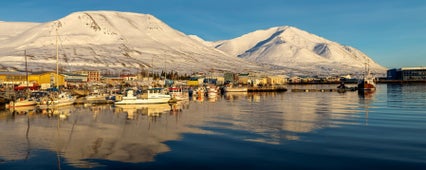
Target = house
(276,80)
(129,77)
(92,75)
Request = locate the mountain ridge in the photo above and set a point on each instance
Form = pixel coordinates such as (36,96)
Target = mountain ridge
(116,41)
(131,42)
(290,47)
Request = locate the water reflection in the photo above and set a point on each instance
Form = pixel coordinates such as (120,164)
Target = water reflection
(274,117)
(79,134)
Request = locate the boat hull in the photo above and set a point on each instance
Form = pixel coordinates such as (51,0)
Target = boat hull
(364,85)
(236,89)
(19,104)
(143,101)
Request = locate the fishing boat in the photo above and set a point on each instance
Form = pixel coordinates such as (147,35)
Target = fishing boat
(96,97)
(178,94)
(231,88)
(57,100)
(153,96)
(21,103)
(212,92)
(367,82)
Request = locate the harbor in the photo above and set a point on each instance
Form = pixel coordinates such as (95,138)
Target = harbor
(243,127)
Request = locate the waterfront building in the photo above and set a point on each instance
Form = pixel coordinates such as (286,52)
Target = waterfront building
(76,78)
(44,79)
(407,74)
(112,79)
(243,78)
(13,77)
(92,75)
(195,81)
(276,80)
(229,77)
(129,77)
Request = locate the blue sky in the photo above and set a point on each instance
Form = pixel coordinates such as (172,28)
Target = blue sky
(391,32)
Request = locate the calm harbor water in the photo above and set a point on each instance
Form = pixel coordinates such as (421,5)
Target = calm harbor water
(290,130)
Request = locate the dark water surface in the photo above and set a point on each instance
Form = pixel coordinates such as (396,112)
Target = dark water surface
(290,130)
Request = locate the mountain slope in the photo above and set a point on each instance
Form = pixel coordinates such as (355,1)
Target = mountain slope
(113,42)
(296,51)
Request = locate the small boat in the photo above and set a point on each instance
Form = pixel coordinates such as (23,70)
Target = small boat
(367,82)
(21,103)
(61,99)
(235,89)
(178,94)
(96,97)
(343,88)
(153,97)
(212,92)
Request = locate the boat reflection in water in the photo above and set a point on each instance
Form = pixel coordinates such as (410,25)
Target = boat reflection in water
(150,110)
(97,135)
(79,133)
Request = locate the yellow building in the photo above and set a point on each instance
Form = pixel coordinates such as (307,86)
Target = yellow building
(276,80)
(45,79)
(194,81)
(48,78)
(13,77)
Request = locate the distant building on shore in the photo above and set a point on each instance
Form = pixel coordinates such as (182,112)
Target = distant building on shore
(407,74)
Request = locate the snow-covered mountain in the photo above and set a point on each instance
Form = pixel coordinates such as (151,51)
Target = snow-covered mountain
(110,41)
(299,52)
(117,42)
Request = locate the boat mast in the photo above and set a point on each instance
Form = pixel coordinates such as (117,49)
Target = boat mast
(27,90)
(26,66)
(57,61)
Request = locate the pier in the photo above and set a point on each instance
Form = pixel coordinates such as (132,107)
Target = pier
(266,89)
(325,90)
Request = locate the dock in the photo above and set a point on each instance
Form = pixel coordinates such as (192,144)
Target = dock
(313,90)
(324,90)
(267,89)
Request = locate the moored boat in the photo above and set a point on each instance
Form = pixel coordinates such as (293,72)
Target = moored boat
(56,100)
(235,89)
(178,94)
(152,97)
(21,103)
(367,82)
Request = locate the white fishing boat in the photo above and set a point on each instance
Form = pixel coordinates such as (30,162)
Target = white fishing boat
(153,96)
(61,99)
(96,97)
(212,92)
(178,94)
(235,89)
(21,103)
(58,98)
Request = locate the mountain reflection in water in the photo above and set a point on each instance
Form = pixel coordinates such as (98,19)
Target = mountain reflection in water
(80,134)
